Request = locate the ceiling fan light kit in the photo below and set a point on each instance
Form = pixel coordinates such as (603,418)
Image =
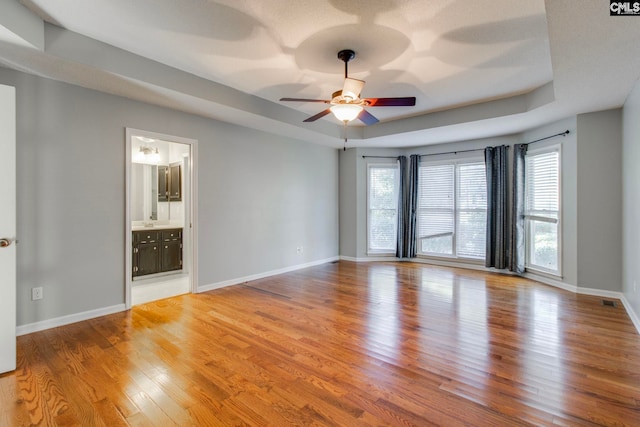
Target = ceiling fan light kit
(346,104)
(346,112)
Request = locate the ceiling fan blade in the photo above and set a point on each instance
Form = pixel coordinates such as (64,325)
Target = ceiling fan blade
(391,102)
(318,116)
(352,88)
(305,100)
(367,118)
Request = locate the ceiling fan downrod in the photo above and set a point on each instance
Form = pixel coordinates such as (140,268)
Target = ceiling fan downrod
(346,55)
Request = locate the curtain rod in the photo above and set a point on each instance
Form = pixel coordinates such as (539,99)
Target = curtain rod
(452,152)
(565,133)
(380,157)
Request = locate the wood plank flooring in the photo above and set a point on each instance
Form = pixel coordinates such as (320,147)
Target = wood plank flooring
(342,344)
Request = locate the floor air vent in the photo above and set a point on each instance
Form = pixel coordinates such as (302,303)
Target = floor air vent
(609,303)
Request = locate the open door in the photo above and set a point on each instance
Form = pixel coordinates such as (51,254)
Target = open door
(7,229)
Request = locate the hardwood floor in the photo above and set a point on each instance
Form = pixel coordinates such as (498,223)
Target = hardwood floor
(345,344)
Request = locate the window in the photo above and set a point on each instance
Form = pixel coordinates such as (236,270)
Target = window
(452,209)
(382,225)
(542,210)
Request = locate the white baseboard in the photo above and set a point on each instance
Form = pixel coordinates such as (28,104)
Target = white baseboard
(632,314)
(552,282)
(68,319)
(244,279)
(600,293)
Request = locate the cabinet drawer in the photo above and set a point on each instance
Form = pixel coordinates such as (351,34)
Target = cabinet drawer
(145,236)
(173,234)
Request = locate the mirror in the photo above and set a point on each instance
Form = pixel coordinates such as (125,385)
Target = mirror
(144,194)
(156,180)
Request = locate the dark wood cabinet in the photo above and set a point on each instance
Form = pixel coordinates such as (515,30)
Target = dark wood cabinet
(170,183)
(171,253)
(163,183)
(148,258)
(175,182)
(156,251)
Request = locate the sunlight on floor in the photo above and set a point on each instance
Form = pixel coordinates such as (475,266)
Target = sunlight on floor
(144,291)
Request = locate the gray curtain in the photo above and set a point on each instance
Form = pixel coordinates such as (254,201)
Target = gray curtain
(400,243)
(411,206)
(517,213)
(497,250)
(407,203)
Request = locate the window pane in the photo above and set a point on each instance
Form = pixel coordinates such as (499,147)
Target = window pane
(383,205)
(441,245)
(383,188)
(382,233)
(471,234)
(544,245)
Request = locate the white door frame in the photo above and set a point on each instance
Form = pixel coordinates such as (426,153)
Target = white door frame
(191,213)
(8,251)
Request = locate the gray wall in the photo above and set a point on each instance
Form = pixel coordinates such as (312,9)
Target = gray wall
(348,204)
(260,196)
(631,200)
(599,200)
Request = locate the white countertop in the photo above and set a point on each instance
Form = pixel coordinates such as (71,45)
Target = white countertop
(155,227)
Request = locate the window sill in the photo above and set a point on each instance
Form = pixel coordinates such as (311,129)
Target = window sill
(387,254)
(451,259)
(543,273)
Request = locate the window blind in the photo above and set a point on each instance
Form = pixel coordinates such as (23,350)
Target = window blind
(542,185)
(472,211)
(542,210)
(435,217)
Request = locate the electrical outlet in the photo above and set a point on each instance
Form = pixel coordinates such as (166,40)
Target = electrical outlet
(36,293)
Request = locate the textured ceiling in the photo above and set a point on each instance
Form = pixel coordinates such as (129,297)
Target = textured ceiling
(477,67)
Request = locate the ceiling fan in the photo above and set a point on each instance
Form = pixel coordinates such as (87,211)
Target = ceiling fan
(347,105)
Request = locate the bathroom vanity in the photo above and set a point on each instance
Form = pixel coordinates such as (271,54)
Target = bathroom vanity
(156,250)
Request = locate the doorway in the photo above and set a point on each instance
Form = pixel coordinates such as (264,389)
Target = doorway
(160,216)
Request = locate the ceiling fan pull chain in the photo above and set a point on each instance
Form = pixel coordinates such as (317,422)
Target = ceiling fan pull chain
(344,148)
